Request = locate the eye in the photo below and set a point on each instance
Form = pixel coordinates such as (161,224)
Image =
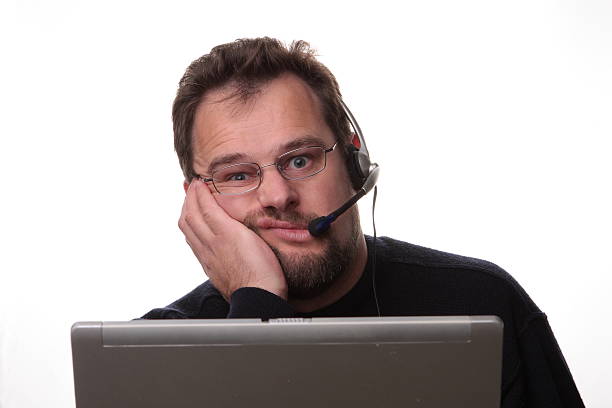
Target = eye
(237,177)
(298,162)
(237,174)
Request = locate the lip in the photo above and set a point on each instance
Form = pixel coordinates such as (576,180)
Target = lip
(291,235)
(286,231)
(276,224)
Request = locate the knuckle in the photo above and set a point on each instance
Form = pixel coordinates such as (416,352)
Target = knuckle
(188,218)
(207,216)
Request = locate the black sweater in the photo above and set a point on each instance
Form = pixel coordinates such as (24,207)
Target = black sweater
(416,281)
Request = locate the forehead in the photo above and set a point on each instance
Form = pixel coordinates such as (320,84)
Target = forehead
(284,110)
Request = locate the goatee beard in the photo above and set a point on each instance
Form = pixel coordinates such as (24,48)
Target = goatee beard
(310,275)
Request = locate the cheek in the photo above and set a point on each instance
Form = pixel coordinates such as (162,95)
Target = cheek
(233,206)
(340,183)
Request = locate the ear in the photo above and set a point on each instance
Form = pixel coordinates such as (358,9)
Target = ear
(185,186)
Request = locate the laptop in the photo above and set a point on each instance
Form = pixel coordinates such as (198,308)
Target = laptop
(448,361)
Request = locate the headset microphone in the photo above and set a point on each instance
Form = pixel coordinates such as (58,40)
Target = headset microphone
(318,226)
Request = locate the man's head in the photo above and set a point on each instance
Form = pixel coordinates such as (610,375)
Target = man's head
(252,101)
(246,65)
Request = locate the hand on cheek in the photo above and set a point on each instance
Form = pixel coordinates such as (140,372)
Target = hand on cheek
(232,255)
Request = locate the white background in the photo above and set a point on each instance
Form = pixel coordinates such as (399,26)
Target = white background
(490,120)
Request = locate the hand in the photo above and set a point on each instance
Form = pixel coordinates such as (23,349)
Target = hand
(232,255)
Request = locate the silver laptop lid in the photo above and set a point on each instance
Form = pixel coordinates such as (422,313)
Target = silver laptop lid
(319,362)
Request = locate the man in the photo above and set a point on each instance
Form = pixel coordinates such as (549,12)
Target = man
(265,148)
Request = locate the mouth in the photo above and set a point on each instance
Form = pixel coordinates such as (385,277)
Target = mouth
(286,231)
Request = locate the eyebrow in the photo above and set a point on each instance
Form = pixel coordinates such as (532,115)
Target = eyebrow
(231,158)
(303,141)
(226,159)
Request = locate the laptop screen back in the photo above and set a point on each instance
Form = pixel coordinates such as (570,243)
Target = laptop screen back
(320,362)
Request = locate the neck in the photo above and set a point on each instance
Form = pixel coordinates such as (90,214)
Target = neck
(339,288)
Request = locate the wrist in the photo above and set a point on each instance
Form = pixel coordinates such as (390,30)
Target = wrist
(278,290)
(254,302)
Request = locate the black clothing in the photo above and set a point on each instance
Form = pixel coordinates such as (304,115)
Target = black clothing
(416,281)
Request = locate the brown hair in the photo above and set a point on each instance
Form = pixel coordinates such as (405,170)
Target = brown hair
(247,64)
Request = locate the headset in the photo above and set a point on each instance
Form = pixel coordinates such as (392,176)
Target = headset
(358,158)
(363,174)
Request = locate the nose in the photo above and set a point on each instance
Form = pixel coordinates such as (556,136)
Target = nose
(275,191)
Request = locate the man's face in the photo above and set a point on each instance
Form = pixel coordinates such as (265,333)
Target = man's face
(286,114)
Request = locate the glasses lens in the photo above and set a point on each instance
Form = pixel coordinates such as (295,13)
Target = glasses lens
(237,178)
(302,163)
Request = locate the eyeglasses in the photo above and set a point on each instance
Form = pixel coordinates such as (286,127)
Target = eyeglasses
(296,164)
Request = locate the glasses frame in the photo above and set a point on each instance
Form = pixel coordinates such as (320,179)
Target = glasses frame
(210,179)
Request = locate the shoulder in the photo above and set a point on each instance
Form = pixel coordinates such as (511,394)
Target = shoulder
(477,284)
(395,251)
(204,302)
(415,280)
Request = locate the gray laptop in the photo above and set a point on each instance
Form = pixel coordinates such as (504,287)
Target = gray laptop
(321,362)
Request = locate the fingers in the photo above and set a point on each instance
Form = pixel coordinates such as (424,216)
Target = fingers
(191,221)
(215,217)
(202,219)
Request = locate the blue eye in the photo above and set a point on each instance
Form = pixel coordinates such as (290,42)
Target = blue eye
(237,174)
(237,177)
(299,162)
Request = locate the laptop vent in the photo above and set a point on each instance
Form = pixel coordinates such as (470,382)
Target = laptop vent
(290,320)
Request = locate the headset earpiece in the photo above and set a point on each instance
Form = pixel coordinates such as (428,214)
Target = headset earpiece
(358,164)
(357,156)
(352,167)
